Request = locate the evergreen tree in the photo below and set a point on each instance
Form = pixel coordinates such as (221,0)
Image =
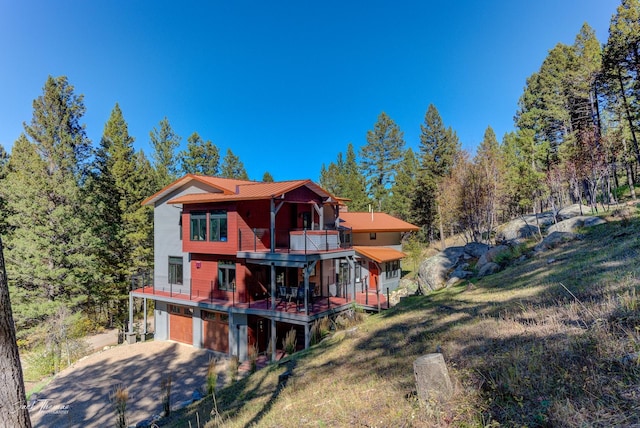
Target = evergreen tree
(51,248)
(232,167)
(4,160)
(164,142)
(523,180)
(621,68)
(201,157)
(404,186)
(267,177)
(118,185)
(379,157)
(438,147)
(343,179)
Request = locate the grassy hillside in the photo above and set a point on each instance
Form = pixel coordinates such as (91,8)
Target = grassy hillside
(549,341)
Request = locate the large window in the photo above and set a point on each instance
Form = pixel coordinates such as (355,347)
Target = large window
(226,275)
(175,270)
(198,226)
(218,225)
(392,269)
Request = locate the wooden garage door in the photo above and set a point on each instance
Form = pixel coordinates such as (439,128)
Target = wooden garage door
(181,324)
(215,326)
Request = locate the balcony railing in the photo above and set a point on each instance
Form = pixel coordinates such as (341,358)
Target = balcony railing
(297,240)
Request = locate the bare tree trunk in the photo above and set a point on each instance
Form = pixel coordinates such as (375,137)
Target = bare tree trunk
(631,181)
(13,401)
(443,244)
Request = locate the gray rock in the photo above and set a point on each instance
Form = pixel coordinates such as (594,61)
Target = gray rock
(555,239)
(515,231)
(491,255)
(573,211)
(574,223)
(488,269)
(457,276)
(433,272)
(476,249)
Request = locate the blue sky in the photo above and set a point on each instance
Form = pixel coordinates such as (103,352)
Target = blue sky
(287,84)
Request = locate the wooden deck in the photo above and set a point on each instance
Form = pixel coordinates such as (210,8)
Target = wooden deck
(317,306)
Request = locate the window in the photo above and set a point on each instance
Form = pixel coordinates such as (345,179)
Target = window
(175,270)
(198,226)
(392,269)
(372,236)
(226,275)
(218,225)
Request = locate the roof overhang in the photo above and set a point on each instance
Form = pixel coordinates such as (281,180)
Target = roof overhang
(379,254)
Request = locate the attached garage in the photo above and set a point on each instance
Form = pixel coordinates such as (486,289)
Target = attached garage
(181,324)
(215,331)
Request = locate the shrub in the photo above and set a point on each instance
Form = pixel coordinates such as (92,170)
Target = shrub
(212,376)
(289,342)
(119,398)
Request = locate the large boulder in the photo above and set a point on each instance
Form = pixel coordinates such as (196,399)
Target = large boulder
(434,271)
(571,211)
(488,269)
(476,249)
(515,231)
(491,255)
(574,223)
(554,239)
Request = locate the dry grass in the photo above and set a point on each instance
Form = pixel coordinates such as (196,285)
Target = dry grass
(547,342)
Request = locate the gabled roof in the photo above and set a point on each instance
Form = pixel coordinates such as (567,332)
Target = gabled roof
(375,222)
(224,185)
(379,254)
(235,190)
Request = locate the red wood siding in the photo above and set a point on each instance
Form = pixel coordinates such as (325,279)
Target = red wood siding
(228,247)
(204,278)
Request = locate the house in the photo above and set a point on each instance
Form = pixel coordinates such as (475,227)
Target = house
(238,264)
(377,242)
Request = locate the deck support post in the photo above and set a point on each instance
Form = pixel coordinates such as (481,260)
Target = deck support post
(144,329)
(307,336)
(273,308)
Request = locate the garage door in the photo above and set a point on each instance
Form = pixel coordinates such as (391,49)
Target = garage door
(181,324)
(215,326)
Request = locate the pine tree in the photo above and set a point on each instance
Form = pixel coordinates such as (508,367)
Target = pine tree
(232,167)
(343,179)
(201,157)
(164,142)
(438,147)
(51,248)
(621,68)
(379,157)
(404,186)
(118,185)
(4,160)
(267,177)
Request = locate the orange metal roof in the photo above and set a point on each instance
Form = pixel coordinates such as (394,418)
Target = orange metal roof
(234,190)
(376,222)
(379,254)
(225,185)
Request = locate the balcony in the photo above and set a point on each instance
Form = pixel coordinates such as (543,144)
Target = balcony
(297,241)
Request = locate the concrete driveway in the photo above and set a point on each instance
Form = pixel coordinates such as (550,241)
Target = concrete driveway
(79,395)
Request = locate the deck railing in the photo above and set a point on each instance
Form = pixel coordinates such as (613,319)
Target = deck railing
(298,240)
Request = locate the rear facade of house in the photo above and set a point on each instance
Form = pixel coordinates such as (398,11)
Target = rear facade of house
(239,264)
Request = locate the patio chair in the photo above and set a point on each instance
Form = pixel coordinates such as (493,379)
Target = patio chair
(300,296)
(294,294)
(283,295)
